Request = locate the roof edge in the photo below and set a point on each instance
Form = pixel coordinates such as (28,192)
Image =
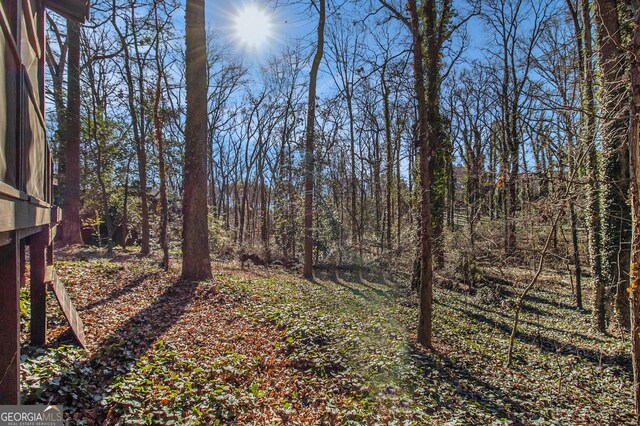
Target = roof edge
(76,10)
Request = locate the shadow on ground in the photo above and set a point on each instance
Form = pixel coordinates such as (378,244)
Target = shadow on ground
(457,376)
(119,352)
(550,345)
(130,287)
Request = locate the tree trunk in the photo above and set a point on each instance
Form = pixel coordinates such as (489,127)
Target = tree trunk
(104,199)
(264,205)
(162,171)
(588,126)
(389,160)
(576,254)
(310,147)
(71,224)
(512,201)
(377,187)
(196,262)
(354,182)
(426,277)
(635,203)
(451,196)
(493,164)
(141,142)
(57,71)
(438,169)
(616,217)
(124,224)
(243,209)
(398,188)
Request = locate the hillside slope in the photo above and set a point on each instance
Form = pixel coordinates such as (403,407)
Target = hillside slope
(261,346)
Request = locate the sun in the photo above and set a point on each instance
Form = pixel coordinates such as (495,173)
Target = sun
(253,26)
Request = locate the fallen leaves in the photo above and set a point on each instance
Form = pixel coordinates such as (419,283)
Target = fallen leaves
(270,348)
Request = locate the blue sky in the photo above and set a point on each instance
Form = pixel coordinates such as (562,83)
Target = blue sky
(291,23)
(288,25)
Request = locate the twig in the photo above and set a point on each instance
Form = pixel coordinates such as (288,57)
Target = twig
(532,283)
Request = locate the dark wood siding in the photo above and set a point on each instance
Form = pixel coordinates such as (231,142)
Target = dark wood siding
(8,102)
(24,154)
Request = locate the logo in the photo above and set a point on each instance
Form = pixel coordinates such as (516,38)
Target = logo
(31,415)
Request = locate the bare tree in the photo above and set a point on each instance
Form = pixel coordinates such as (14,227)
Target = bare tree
(514,59)
(310,142)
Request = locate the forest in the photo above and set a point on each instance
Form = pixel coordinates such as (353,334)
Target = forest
(398,212)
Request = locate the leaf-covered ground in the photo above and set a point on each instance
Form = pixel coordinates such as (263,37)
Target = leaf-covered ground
(265,347)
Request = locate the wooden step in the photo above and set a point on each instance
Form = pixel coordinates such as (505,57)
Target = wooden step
(70,313)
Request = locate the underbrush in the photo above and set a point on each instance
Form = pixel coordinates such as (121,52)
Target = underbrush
(360,334)
(261,344)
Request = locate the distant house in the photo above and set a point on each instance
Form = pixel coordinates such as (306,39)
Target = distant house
(27,216)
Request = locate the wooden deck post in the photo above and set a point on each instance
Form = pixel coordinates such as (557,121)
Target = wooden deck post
(50,247)
(23,264)
(10,322)
(38,254)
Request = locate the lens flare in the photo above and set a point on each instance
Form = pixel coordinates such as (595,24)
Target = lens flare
(253,26)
